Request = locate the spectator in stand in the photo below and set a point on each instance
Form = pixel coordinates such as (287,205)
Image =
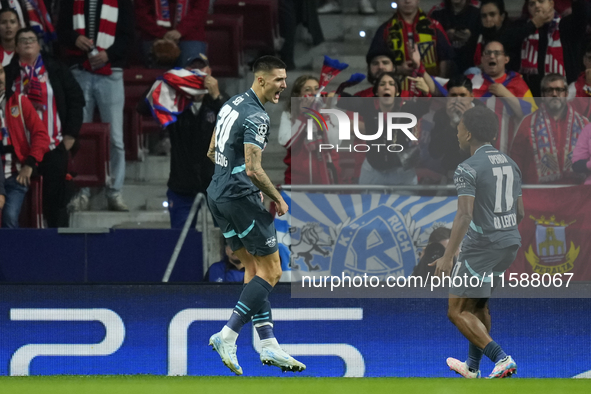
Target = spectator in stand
(410,26)
(181,21)
(494,21)
(291,14)
(378,62)
(460,20)
(305,165)
(24,142)
(382,167)
(190,168)
(505,92)
(333,7)
(59,102)
(544,144)
(381,61)
(229,269)
(9,25)
(579,92)
(582,154)
(98,54)
(40,22)
(554,39)
(33,13)
(18,7)
(444,145)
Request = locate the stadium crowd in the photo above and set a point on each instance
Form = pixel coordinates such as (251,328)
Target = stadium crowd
(63,61)
(533,71)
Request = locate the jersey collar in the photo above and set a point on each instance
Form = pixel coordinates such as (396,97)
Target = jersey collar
(476,151)
(257,99)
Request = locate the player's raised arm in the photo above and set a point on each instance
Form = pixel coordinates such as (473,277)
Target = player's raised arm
(211,150)
(255,171)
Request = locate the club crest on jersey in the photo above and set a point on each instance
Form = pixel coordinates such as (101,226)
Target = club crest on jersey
(14,111)
(550,254)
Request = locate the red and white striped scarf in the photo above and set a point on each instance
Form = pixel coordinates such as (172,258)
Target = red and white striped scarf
(40,20)
(173,93)
(163,12)
(544,143)
(106,31)
(33,82)
(554,62)
(478,51)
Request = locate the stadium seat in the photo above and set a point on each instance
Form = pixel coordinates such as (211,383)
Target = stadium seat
(261,21)
(90,164)
(225,48)
(31,215)
(137,81)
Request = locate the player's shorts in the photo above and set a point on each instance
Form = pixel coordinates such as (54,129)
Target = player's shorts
(479,264)
(246,223)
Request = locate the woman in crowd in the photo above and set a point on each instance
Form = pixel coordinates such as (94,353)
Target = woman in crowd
(384,167)
(305,163)
(494,20)
(9,25)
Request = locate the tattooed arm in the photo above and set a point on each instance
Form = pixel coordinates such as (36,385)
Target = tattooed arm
(254,170)
(211,150)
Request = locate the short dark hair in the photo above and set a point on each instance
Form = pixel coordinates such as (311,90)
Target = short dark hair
(488,42)
(8,9)
(267,63)
(23,31)
(482,123)
(500,5)
(459,81)
(439,234)
(588,48)
(391,74)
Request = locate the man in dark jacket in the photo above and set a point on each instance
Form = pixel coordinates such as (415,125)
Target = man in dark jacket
(97,55)
(190,169)
(59,102)
(444,145)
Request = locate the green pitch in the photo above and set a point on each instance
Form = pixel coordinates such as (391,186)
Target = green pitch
(145,384)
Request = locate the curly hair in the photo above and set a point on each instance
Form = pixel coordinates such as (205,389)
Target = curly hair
(482,123)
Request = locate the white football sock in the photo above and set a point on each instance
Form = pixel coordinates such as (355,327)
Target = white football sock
(229,335)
